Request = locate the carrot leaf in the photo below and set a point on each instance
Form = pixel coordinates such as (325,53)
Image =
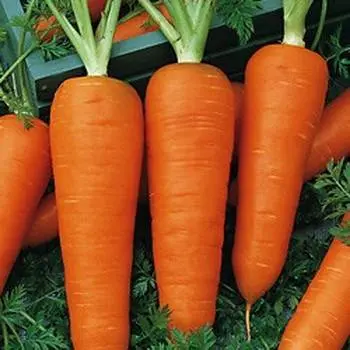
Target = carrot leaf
(335,182)
(342,232)
(238,15)
(295,12)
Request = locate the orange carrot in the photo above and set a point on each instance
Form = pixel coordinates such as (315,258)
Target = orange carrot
(139,24)
(97,143)
(47,28)
(284,94)
(24,175)
(333,136)
(190,110)
(332,140)
(45,224)
(322,318)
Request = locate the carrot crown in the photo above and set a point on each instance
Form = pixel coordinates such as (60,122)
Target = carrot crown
(295,12)
(94,49)
(189,31)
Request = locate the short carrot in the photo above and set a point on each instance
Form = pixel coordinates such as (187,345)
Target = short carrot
(190,108)
(284,94)
(322,318)
(332,140)
(96,132)
(45,224)
(137,24)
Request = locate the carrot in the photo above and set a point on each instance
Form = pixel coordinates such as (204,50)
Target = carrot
(137,24)
(24,174)
(331,141)
(45,224)
(190,109)
(322,318)
(284,93)
(97,142)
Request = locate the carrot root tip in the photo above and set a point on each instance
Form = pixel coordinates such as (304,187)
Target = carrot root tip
(247,321)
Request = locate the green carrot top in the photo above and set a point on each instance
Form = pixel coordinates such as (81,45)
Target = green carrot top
(189,31)
(295,12)
(94,49)
(14,91)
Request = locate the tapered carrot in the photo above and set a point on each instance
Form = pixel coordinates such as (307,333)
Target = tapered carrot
(332,140)
(45,224)
(284,93)
(322,318)
(190,109)
(97,142)
(137,24)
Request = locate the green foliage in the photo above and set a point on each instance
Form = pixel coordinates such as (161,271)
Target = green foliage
(337,51)
(237,14)
(335,183)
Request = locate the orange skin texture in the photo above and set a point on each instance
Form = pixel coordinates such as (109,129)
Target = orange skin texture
(331,141)
(45,225)
(189,135)
(97,147)
(24,175)
(238,91)
(284,94)
(322,318)
(333,136)
(138,25)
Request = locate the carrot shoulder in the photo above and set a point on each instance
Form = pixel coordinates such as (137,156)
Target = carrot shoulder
(322,318)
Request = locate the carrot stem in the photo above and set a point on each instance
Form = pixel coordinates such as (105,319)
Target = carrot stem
(94,51)
(320,25)
(29,107)
(295,12)
(247,321)
(189,33)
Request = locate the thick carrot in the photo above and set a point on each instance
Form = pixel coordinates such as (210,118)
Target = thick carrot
(332,140)
(139,24)
(24,175)
(322,318)
(190,108)
(45,224)
(284,94)
(97,143)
